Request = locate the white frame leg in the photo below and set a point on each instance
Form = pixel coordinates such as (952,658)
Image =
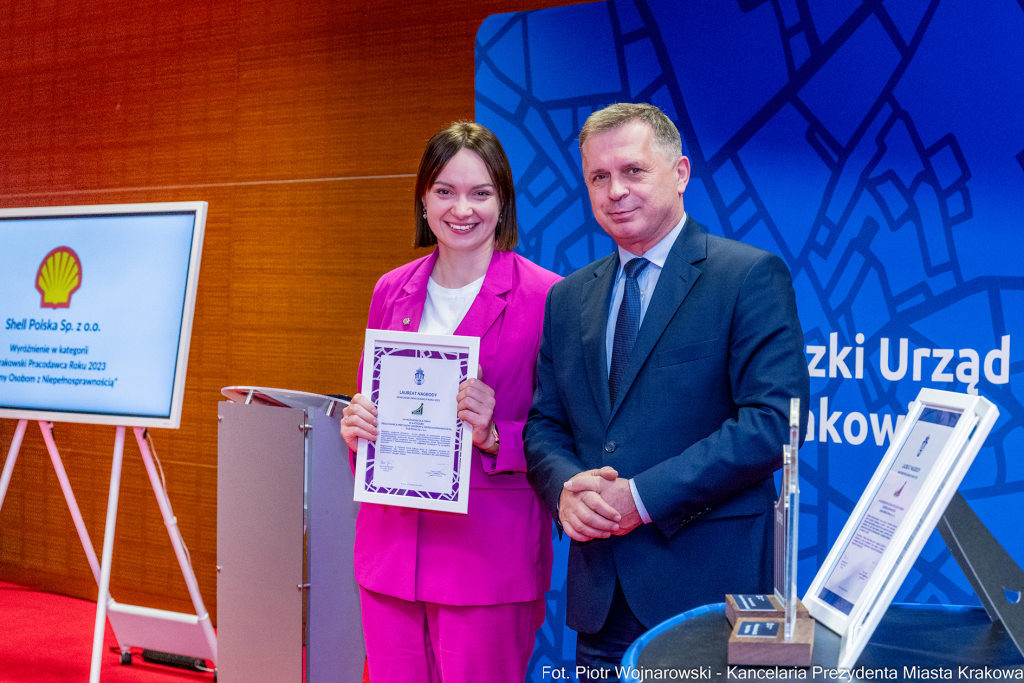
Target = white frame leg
(171,522)
(62,477)
(12,457)
(108,552)
(83,534)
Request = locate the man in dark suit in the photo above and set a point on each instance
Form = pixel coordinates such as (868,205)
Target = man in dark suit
(662,399)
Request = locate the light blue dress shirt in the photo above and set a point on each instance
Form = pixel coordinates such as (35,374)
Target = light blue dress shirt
(647,281)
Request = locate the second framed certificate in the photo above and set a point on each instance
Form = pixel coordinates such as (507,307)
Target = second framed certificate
(423,451)
(926,460)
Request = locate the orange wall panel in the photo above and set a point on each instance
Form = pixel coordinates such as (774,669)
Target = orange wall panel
(301,123)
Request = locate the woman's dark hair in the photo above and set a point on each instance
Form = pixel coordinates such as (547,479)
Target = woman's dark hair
(440,150)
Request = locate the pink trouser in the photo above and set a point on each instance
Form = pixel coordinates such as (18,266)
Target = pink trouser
(424,642)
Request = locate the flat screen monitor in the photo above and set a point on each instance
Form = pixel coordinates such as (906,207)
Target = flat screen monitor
(96,311)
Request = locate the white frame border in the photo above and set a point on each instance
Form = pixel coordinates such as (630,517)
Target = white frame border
(434,341)
(937,489)
(173,420)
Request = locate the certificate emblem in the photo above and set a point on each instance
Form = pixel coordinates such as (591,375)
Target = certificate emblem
(419,376)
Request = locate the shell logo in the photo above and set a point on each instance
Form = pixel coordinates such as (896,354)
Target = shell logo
(59,276)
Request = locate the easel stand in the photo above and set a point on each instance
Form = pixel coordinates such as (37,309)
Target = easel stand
(133,626)
(996,578)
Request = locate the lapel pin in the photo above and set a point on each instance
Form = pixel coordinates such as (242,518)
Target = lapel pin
(405,322)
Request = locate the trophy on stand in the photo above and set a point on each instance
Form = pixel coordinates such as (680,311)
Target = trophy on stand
(777,629)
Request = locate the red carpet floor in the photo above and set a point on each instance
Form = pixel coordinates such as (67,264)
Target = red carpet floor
(46,638)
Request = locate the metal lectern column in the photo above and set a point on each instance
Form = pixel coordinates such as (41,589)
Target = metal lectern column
(259,544)
(262,461)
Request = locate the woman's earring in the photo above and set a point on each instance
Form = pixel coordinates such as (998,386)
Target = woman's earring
(424,213)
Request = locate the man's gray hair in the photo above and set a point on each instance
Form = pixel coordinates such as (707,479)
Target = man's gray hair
(666,136)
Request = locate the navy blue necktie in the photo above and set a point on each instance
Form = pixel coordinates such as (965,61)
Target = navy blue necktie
(627,325)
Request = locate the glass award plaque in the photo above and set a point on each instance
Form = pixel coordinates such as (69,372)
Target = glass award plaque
(777,629)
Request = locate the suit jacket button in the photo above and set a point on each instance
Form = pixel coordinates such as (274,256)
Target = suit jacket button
(610,447)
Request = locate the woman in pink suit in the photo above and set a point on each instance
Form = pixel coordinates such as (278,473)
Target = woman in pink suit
(449,597)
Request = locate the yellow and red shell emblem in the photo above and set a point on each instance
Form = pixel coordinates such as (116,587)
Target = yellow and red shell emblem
(59,276)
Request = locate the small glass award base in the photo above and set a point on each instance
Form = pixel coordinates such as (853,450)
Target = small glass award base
(740,605)
(761,642)
(764,631)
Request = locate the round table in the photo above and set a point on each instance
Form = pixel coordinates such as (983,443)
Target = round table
(912,642)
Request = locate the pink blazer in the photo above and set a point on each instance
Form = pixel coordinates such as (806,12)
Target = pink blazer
(501,550)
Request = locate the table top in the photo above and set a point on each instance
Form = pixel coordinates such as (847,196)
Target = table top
(284,398)
(912,642)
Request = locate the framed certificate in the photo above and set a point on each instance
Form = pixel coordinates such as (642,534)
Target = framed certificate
(423,451)
(919,474)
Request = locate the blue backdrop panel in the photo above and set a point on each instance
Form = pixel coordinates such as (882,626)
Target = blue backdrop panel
(879,149)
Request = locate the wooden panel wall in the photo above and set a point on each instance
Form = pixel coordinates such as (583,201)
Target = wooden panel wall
(301,122)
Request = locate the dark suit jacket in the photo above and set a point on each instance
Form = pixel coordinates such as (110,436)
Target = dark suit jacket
(699,424)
